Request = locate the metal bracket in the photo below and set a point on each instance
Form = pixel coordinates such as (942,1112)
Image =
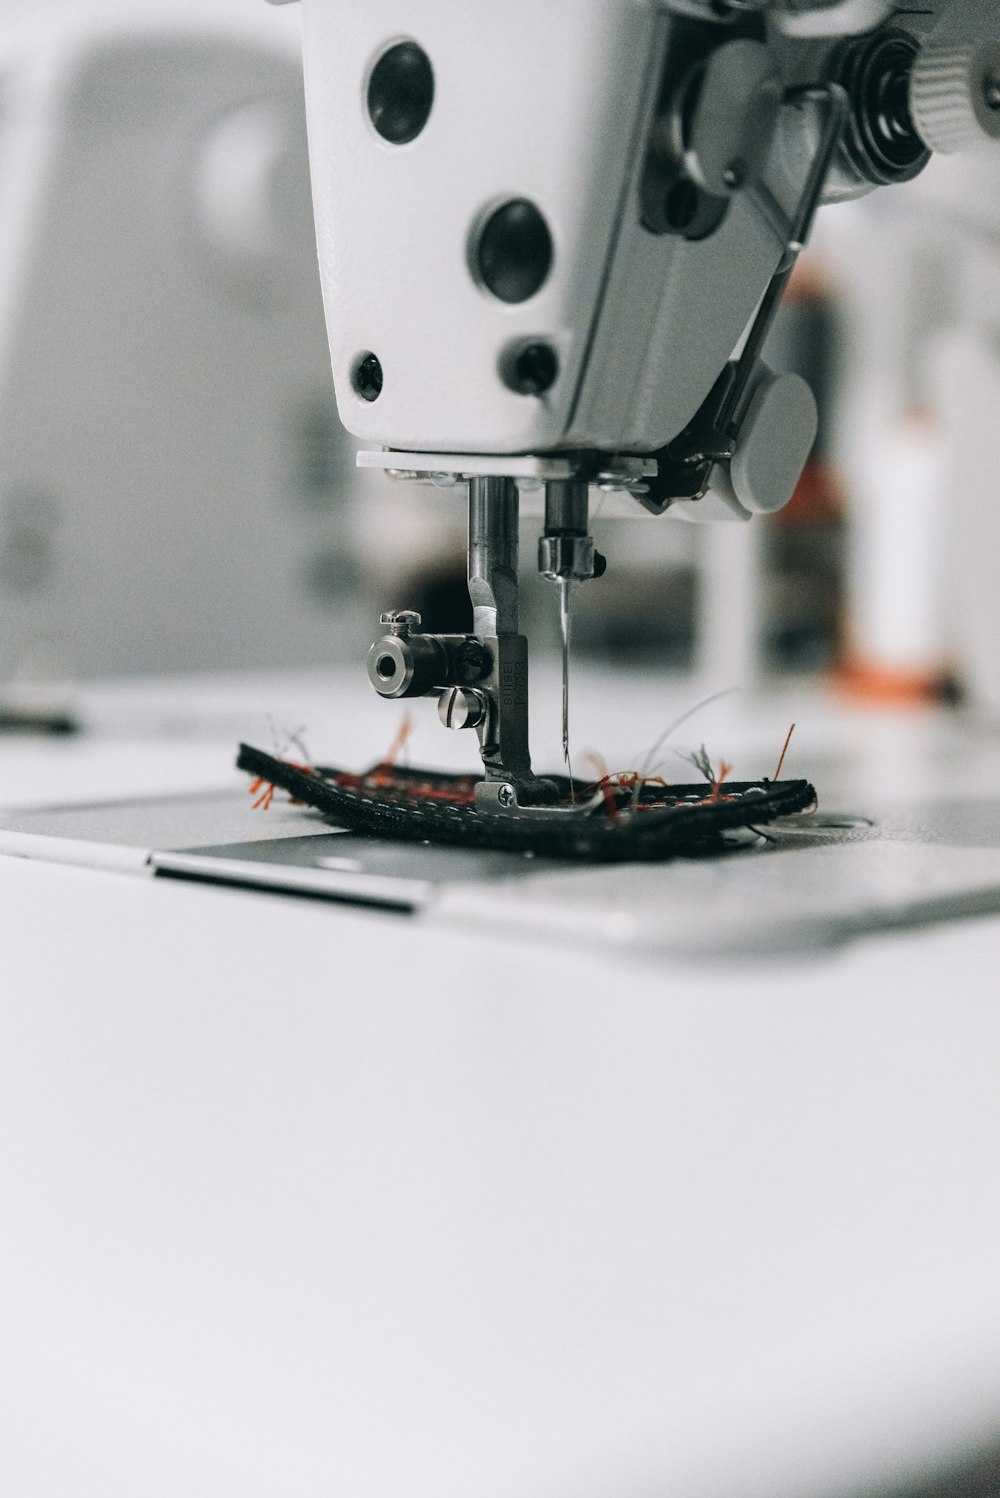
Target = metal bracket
(686,463)
(609,471)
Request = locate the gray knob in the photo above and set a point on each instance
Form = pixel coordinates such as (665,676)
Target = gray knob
(955,95)
(776,435)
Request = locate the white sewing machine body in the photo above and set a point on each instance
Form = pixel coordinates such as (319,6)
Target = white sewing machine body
(565,107)
(535,103)
(173,479)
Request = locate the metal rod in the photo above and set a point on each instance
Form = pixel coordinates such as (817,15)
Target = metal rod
(566,506)
(835,99)
(493,512)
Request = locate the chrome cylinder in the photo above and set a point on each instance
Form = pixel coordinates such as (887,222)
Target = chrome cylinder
(493,513)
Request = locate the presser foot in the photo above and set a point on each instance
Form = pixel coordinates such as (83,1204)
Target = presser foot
(480,679)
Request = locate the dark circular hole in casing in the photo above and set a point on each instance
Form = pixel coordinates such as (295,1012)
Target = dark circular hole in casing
(385,666)
(367,377)
(530,368)
(514,253)
(401,93)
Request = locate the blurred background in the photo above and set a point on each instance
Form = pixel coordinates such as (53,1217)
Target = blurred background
(176,493)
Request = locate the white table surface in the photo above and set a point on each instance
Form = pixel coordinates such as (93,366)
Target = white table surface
(298,1200)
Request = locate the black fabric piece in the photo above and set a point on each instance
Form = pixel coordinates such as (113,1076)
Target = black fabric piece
(425,805)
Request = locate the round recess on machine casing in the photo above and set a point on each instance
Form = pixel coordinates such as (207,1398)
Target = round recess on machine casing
(529,367)
(400,92)
(512,251)
(366,376)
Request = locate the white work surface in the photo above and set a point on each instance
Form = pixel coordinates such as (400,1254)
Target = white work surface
(302,1201)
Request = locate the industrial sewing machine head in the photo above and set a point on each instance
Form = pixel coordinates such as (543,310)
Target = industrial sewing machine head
(553,234)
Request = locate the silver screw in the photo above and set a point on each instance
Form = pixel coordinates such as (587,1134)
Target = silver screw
(401,621)
(458,708)
(505,796)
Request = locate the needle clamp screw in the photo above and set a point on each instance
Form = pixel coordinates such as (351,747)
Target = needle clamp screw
(401,622)
(460,708)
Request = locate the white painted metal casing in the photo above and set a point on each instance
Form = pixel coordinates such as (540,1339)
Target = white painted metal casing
(549,102)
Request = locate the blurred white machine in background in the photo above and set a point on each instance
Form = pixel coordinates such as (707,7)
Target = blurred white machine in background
(917,423)
(174,484)
(967,387)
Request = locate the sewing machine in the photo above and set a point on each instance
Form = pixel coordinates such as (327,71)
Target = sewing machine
(509,1197)
(552,241)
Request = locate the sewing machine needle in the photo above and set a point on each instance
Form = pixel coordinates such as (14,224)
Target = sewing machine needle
(564,628)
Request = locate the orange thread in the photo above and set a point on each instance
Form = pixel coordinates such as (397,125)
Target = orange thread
(267,787)
(387,764)
(263,801)
(784,751)
(724,770)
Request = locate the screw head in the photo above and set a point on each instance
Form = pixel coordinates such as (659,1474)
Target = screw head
(401,621)
(531,369)
(458,708)
(472,661)
(505,795)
